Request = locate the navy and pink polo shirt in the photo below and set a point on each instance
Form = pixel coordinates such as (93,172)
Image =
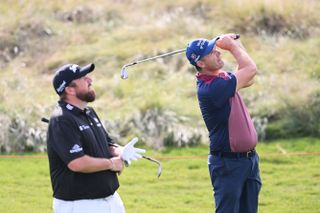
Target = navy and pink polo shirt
(225,114)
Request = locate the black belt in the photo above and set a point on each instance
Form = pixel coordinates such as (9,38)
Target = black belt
(234,154)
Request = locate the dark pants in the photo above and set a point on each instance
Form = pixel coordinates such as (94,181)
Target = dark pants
(236,183)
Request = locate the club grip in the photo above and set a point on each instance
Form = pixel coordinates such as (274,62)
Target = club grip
(237,36)
(45,120)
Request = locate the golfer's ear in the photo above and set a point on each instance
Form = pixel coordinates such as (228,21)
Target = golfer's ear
(200,64)
(69,90)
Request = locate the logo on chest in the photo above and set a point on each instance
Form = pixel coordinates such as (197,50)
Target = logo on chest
(97,122)
(84,127)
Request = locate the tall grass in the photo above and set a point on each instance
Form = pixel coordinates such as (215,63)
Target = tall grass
(47,35)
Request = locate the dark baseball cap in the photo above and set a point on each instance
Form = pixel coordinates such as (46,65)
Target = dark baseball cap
(198,48)
(67,73)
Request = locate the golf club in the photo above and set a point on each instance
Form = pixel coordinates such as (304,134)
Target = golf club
(157,162)
(45,120)
(124,71)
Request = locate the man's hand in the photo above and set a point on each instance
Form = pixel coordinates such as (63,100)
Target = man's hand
(130,153)
(116,164)
(247,68)
(115,150)
(228,41)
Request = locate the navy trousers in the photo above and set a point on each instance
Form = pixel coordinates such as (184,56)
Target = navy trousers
(236,183)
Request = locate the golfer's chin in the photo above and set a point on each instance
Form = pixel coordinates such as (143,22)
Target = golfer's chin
(91,91)
(221,63)
(91,96)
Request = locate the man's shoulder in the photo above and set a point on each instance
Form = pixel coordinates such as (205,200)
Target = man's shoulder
(61,115)
(212,84)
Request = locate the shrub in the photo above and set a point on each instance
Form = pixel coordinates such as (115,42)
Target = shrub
(268,22)
(158,128)
(304,120)
(9,49)
(18,136)
(260,124)
(297,121)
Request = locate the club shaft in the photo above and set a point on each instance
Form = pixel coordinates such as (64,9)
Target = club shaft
(163,55)
(155,57)
(151,159)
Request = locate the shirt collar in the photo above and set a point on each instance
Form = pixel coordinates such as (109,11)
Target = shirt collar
(71,108)
(208,78)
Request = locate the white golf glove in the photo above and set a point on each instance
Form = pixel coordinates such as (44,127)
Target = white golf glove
(129,152)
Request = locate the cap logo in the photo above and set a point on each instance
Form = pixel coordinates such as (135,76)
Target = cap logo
(200,44)
(62,86)
(73,68)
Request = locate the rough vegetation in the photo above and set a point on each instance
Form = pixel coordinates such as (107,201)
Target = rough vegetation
(158,102)
(158,128)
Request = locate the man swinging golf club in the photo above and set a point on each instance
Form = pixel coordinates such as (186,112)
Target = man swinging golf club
(233,161)
(83,160)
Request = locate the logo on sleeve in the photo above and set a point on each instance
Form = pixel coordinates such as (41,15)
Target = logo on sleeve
(76,148)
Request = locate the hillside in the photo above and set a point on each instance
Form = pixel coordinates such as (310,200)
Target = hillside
(38,36)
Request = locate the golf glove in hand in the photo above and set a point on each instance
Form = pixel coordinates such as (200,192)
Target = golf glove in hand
(130,153)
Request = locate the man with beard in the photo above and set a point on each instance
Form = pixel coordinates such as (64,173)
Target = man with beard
(233,161)
(83,160)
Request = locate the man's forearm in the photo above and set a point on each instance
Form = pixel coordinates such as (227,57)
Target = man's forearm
(242,57)
(88,164)
(246,69)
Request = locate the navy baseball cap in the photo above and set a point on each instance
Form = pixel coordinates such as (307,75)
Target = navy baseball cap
(199,48)
(67,73)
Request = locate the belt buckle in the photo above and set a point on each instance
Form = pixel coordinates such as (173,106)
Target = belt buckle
(250,152)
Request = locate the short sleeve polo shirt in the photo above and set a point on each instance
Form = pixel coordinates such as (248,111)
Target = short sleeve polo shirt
(224,113)
(73,133)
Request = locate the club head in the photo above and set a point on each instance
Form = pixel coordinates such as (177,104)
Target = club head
(159,169)
(124,73)
(155,161)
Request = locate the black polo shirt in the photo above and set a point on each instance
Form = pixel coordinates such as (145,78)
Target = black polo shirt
(73,133)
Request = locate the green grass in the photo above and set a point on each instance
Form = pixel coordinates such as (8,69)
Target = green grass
(290,183)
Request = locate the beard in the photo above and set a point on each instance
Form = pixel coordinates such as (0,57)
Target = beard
(89,96)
